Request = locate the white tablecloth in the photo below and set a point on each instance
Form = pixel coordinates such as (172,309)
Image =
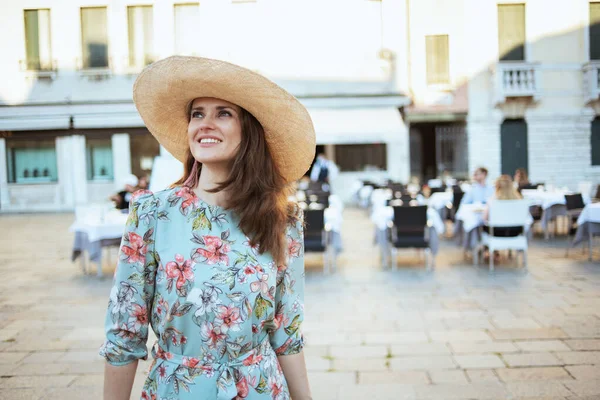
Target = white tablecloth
(111,225)
(548,199)
(439,200)
(590,213)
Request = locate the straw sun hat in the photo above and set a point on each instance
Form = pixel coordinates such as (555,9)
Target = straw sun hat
(164,89)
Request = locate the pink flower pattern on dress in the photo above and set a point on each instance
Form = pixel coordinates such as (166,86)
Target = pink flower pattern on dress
(215,251)
(137,249)
(180,270)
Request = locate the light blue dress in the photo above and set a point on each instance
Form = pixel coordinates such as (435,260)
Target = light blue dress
(221,311)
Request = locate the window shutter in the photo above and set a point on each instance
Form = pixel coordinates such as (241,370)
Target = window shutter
(594,31)
(595,142)
(511,32)
(437,59)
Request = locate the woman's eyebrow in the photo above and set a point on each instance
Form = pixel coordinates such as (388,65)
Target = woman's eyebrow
(219,108)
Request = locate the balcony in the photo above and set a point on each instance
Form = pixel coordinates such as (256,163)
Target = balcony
(591,84)
(517,80)
(38,70)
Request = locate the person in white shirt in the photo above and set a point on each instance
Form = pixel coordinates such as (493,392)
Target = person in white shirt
(480,191)
(324,170)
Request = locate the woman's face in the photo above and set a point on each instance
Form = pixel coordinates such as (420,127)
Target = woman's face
(214,130)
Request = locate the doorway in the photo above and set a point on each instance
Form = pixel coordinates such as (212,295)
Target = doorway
(513,142)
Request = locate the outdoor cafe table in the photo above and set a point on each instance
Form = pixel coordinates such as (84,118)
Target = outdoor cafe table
(553,204)
(382,215)
(93,232)
(468,220)
(588,225)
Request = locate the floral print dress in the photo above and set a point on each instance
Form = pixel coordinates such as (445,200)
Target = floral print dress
(221,311)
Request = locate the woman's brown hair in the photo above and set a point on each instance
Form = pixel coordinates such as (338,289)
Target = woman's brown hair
(259,194)
(505,189)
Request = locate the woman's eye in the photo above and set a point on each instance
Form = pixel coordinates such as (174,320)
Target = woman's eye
(196,114)
(224,114)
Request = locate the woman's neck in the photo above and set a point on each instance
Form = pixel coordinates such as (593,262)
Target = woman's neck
(210,178)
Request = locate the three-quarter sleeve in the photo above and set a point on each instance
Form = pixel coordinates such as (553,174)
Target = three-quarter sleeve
(287,338)
(129,307)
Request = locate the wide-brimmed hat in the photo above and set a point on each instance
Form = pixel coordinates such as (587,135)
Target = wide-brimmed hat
(164,89)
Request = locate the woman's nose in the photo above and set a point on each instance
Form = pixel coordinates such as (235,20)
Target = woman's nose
(207,123)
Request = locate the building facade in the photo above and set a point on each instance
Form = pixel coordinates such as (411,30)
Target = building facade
(70,130)
(396,88)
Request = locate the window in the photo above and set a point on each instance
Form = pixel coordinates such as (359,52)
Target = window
(594,31)
(186,21)
(32,162)
(361,157)
(511,32)
(141,43)
(99,160)
(438,69)
(595,144)
(38,50)
(94,37)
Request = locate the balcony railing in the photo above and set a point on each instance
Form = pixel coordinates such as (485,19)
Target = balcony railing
(591,81)
(517,80)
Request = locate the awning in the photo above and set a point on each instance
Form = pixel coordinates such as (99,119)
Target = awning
(34,122)
(358,125)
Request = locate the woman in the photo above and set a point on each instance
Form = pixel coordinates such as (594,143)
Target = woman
(504,191)
(215,263)
(521,179)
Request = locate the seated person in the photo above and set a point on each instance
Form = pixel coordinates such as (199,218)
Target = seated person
(521,179)
(122,198)
(504,191)
(480,191)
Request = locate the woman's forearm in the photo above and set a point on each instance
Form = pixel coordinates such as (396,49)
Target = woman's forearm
(118,381)
(294,370)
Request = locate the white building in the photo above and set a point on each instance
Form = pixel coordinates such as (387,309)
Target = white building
(395,87)
(69,127)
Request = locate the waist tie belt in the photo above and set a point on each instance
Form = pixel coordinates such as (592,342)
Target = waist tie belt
(226,388)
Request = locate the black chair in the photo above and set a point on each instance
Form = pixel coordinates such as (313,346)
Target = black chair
(405,200)
(316,236)
(437,190)
(597,195)
(410,230)
(574,204)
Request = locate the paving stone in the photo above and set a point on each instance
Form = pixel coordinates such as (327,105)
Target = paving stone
(524,334)
(533,374)
(587,388)
(40,369)
(12,357)
(579,357)
(481,375)
(542,345)
(483,347)
(421,363)
(584,344)
(22,394)
(377,392)
(395,338)
(539,389)
(447,391)
(333,378)
(459,336)
(317,363)
(515,323)
(79,393)
(354,364)
(81,357)
(43,357)
(420,349)
(531,359)
(359,351)
(448,376)
(386,377)
(478,361)
(316,351)
(89,380)
(584,372)
(37,381)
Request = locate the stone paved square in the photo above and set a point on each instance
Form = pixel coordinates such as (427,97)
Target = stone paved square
(454,333)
